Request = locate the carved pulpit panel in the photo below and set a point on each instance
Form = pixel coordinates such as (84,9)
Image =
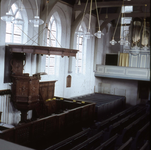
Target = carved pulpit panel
(34,87)
(17,63)
(25,89)
(22,86)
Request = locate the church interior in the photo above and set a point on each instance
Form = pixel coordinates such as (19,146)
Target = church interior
(75,74)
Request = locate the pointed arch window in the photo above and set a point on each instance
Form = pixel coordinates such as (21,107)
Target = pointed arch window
(51,41)
(80,47)
(13,31)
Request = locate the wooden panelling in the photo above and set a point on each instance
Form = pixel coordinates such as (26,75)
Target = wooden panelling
(17,63)
(23,134)
(56,124)
(8,134)
(50,125)
(46,90)
(5,92)
(25,89)
(42,50)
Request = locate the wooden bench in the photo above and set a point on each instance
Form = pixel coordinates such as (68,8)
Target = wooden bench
(115,118)
(109,144)
(141,134)
(90,143)
(71,141)
(146,146)
(23,134)
(50,124)
(126,145)
(8,134)
(131,129)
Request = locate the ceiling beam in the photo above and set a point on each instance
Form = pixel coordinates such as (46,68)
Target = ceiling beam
(111,4)
(115,16)
(100,5)
(133,14)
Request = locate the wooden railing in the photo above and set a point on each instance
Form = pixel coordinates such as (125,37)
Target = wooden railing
(5,92)
(50,126)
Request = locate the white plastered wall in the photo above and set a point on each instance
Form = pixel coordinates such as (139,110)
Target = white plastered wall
(84,83)
(128,88)
(81,83)
(5,104)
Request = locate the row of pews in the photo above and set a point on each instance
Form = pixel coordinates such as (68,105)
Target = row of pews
(105,104)
(127,130)
(64,116)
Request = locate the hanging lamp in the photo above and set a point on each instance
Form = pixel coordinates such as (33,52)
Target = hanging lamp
(88,35)
(18,21)
(98,34)
(126,43)
(79,2)
(36,21)
(81,33)
(113,42)
(8,17)
(121,41)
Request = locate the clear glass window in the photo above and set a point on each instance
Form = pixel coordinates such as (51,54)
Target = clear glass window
(14,32)
(79,47)
(51,41)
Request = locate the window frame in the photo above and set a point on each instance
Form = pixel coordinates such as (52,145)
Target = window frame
(56,58)
(84,45)
(13,25)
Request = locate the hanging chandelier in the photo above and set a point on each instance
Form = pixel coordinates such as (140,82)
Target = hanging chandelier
(113,42)
(81,33)
(98,34)
(36,21)
(123,40)
(18,21)
(8,17)
(88,34)
(79,2)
